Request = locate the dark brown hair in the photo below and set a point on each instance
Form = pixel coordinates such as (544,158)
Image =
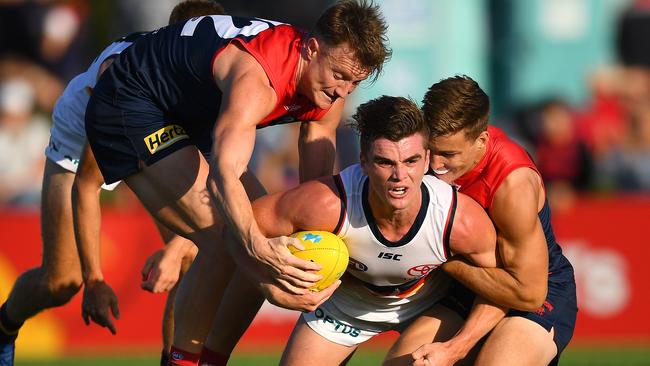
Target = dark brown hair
(193,8)
(393,118)
(456,104)
(361,25)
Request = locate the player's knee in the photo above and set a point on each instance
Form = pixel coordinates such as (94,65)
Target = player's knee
(63,288)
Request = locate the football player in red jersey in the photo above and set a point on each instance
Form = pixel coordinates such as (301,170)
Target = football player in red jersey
(535,279)
(205,86)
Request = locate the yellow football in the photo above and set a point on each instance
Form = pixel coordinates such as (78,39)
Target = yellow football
(326,249)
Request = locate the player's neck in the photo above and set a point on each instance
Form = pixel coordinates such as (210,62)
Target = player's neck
(394,228)
(393,222)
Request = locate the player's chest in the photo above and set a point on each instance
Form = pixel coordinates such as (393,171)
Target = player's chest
(377,263)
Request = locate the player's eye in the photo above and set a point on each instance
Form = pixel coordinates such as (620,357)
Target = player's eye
(412,161)
(384,163)
(447,154)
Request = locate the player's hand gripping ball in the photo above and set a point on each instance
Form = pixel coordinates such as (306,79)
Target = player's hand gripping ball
(326,249)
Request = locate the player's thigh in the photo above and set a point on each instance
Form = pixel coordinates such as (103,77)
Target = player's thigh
(306,347)
(174,191)
(59,247)
(518,341)
(437,324)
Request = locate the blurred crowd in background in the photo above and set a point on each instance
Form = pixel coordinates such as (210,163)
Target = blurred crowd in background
(592,137)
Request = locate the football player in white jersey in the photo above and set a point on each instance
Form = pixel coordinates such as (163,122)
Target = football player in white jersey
(60,277)
(399,225)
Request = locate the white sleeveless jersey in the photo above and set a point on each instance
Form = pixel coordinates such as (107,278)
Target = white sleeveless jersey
(380,262)
(68,134)
(391,282)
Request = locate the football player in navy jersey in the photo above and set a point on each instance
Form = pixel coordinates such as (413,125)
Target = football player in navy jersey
(205,86)
(535,279)
(60,276)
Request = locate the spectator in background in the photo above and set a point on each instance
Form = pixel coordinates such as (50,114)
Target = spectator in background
(23,136)
(49,33)
(46,86)
(561,154)
(276,157)
(627,166)
(603,121)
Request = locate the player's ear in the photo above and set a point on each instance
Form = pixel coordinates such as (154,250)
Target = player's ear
(312,48)
(483,139)
(427,160)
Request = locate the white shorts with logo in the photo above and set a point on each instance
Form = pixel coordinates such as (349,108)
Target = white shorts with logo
(354,314)
(65,150)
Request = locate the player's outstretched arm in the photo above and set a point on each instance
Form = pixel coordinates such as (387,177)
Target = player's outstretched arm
(247,99)
(522,282)
(474,238)
(98,297)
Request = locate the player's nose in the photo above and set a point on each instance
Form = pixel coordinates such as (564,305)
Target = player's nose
(344,88)
(437,162)
(399,172)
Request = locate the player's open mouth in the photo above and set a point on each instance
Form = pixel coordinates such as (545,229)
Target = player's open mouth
(440,171)
(397,192)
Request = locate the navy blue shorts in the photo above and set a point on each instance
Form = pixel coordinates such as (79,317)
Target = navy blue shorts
(127,134)
(559,310)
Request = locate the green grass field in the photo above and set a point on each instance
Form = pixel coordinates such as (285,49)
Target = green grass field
(572,357)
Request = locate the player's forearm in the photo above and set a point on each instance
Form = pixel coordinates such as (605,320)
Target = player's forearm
(314,166)
(178,247)
(87,224)
(483,317)
(317,154)
(498,285)
(233,202)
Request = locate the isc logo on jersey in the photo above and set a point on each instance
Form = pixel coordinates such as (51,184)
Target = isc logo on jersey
(165,137)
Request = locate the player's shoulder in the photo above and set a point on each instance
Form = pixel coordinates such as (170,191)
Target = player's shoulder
(506,149)
(521,178)
(319,196)
(319,189)
(521,191)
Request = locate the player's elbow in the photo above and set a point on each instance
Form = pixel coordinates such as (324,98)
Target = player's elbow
(531,297)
